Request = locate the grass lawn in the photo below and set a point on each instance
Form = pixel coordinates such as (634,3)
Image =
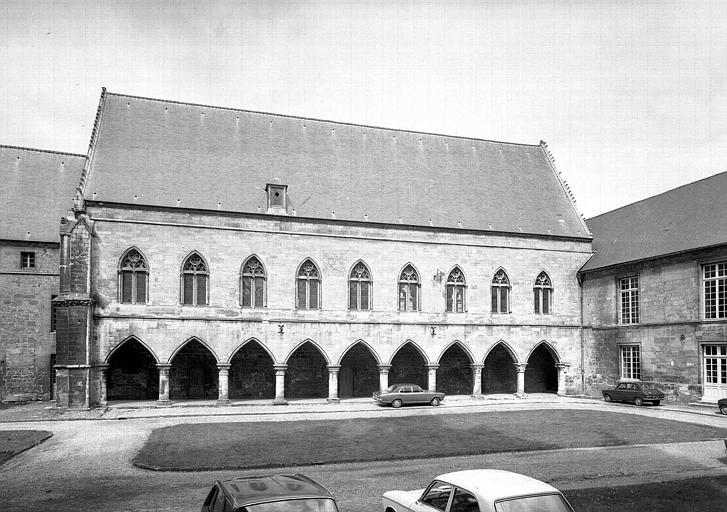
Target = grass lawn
(195,447)
(697,494)
(13,442)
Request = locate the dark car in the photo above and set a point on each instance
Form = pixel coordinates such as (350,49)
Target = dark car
(633,392)
(275,493)
(722,404)
(399,394)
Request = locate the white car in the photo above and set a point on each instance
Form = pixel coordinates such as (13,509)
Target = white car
(479,490)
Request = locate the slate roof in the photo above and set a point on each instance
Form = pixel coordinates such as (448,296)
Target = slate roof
(682,219)
(36,190)
(156,152)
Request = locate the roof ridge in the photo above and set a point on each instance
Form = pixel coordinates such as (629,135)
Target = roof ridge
(344,123)
(38,150)
(691,183)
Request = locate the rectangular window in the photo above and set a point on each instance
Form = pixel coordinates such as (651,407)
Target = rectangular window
(201,289)
(188,296)
(126,286)
(715,364)
(630,361)
(246,292)
(313,298)
(27,259)
(629,300)
(259,286)
(715,290)
(140,287)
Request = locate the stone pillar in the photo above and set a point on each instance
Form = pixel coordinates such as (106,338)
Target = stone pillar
(102,391)
(384,376)
(164,384)
(280,384)
(520,379)
(432,377)
(333,383)
(562,370)
(223,384)
(477,380)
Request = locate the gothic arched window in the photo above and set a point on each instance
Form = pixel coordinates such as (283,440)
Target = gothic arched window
(133,274)
(409,289)
(543,294)
(359,287)
(500,292)
(195,281)
(309,286)
(456,288)
(252,283)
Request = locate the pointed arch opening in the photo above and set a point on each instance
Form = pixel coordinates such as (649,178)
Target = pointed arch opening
(359,373)
(251,373)
(409,366)
(454,375)
(409,289)
(253,283)
(133,277)
(193,373)
(541,374)
(499,374)
(543,294)
(132,373)
(456,291)
(195,280)
(360,285)
(307,373)
(500,290)
(308,287)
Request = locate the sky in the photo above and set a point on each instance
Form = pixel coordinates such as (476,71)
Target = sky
(631,96)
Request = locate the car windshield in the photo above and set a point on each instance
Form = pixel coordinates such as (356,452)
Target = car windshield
(301,505)
(391,389)
(542,503)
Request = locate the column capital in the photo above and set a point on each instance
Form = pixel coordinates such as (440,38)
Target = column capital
(223,366)
(520,367)
(280,367)
(562,366)
(384,367)
(477,366)
(103,367)
(333,368)
(432,366)
(164,366)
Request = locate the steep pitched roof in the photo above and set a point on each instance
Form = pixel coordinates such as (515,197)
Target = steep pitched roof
(679,220)
(37,190)
(156,152)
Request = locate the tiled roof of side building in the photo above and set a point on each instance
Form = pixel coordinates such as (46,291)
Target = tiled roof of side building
(679,220)
(166,153)
(37,190)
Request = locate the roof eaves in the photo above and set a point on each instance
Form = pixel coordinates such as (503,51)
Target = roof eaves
(81,189)
(22,148)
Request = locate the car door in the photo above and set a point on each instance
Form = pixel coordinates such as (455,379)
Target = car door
(418,395)
(405,394)
(435,497)
(619,393)
(630,392)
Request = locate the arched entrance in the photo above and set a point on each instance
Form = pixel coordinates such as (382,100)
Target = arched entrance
(408,365)
(541,375)
(132,373)
(359,375)
(454,375)
(499,374)
(251,373)
(307,373)
(193,373)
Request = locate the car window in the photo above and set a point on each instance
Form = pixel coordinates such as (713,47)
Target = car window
(463,501)
(405,389)
(543,503)
(437,496)
(621,386)
(296,505)
(220,502)
(211,497)
(416,389)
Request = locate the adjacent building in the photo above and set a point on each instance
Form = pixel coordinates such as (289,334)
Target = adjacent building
(227,254)
(37,189)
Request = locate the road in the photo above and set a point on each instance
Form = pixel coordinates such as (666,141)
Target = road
(86,465)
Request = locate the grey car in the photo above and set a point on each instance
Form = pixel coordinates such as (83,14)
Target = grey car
(633,392)
(397,395)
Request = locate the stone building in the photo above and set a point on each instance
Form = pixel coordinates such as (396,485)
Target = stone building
(227,254)
(37,189)
(655,294)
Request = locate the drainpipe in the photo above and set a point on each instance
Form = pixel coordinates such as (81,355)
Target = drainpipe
(580,329)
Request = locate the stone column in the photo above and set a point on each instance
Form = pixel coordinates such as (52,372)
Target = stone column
(432,376)
(102,391)
(562,370)
(477,380)
(333,383)
(520,379)
(223,384)
(280,384)
(164,384)
(384,376)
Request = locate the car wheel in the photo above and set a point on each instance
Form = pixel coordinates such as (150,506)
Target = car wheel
(435,401)
(638,401)
(723,409)
(607,398)
(656,402)
(396,403)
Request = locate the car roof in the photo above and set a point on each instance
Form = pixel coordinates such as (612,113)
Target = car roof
(495,484)
(260,489)
(405,384)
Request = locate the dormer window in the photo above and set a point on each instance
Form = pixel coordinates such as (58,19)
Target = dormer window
(277,200)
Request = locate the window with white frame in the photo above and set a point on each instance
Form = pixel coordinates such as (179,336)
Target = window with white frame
(27,259)
(630,356)
(628,311)
(715,290)
(715,364)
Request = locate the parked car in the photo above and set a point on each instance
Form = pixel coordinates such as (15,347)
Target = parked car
(633,392)
(479,490)
(397,395)
(274,493)
(722,404)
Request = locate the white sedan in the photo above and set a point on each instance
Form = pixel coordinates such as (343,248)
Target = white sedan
(479,490)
